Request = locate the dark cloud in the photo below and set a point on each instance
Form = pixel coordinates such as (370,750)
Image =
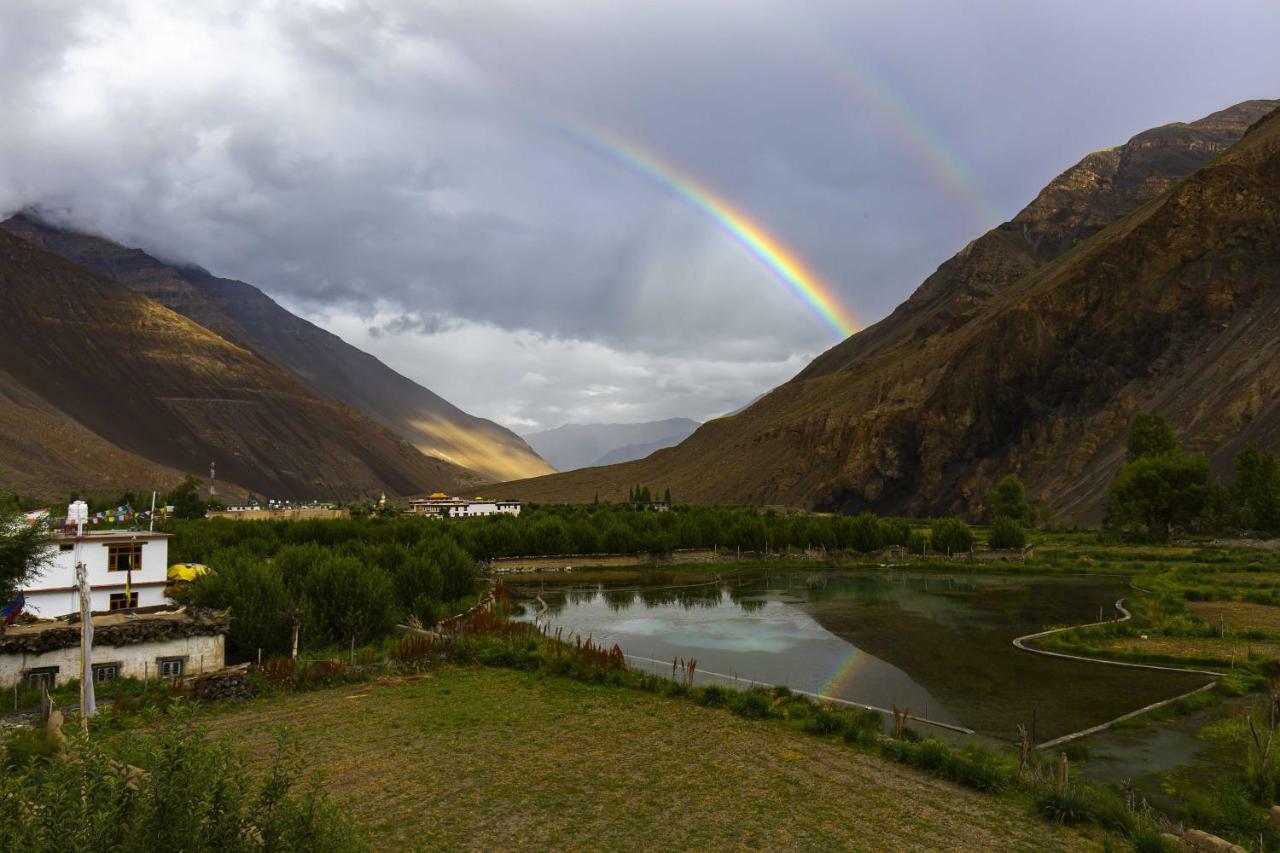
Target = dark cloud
(412,173)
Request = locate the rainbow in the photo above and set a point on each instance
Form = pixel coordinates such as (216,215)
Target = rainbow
(861,85)
(784,265)
(845,672)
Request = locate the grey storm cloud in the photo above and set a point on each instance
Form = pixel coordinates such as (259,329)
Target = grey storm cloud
(411,173)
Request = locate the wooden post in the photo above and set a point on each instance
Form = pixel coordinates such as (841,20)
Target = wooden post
(1063,771)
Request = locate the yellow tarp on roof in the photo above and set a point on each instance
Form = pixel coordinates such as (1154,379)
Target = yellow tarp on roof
(186,572)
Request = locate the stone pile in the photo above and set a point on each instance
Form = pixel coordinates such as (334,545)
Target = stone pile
(230,683)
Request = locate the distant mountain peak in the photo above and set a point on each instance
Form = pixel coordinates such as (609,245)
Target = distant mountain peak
(320,360)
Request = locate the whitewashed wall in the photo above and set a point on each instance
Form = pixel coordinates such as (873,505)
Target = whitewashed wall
(51,593)
(136,660)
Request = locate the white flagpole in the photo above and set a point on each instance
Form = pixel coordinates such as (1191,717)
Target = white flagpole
(88,704)
(152,517)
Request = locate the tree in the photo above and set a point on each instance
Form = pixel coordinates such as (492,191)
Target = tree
(185,500)
(1149,435)
(1009,500)
(349,601)
(951,536)
(457,569)
(1007,533)
(24,550)
(1256,490)
(666,496)
(419,586)
(255,593)
(1159,493)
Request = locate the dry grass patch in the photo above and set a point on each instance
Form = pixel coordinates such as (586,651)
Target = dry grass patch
(1194,648)
(493,759)
(1242,615)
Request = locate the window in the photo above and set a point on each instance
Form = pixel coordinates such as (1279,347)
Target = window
(66,546)
(104,672)
(171,667)
(42,678)
(121,601)
(122,558)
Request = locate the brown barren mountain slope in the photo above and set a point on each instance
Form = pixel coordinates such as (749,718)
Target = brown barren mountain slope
(321,361)
(86,354)
(45,452)
(1127,285)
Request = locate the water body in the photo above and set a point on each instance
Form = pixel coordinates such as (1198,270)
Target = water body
(936,643)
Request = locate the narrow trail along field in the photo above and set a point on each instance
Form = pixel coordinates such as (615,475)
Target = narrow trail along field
(494,759)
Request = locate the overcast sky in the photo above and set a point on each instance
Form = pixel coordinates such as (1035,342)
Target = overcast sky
(425,178)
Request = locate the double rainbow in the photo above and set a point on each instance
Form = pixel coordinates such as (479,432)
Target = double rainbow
(784,265)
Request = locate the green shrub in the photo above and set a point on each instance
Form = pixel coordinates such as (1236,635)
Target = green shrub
(1066,807)
(195,795)
(822,722)
(710,696)
(751,704)
(951,536)
(1007,533)
(863,727)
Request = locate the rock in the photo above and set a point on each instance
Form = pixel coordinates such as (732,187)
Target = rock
(1203,842)
(1274,817)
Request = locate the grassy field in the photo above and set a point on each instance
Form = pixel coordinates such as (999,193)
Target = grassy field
(472,758)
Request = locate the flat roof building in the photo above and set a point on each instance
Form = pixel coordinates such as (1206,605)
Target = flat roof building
(126,568)
(440,505)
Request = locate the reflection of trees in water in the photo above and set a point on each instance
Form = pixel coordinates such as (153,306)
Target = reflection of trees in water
(659,597)
(701,596)
(581,594)
(871,588)
(747,595)
(619,599)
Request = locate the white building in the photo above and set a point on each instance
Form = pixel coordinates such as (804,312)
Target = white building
(113,559)
(440,505)
(156,644)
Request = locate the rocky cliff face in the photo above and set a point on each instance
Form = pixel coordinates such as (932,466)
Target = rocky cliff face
(1146,277)
(103,385)
(321,361)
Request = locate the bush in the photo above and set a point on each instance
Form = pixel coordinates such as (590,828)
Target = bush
(951,536)
(710,696)
(1066,807)
(822,722)
(1007,533)
(751,704)
(194,795)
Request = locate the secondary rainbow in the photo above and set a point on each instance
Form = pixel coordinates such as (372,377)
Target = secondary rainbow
(785,266)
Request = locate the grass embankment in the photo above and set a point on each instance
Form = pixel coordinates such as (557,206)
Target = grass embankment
(489,758)
(1195,606)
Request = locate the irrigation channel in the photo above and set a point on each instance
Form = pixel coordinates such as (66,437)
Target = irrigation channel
(940,645)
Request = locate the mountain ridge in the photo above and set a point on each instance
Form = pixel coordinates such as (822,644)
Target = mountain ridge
(1030,350)
(320,360)
(118,374)
(574,446)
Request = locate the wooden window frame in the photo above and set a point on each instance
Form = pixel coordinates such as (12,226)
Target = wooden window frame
(181,662)
(115,551)
(114,601)
(36,675)
(113,668)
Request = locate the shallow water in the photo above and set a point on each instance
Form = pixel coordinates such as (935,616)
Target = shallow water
(938,644)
